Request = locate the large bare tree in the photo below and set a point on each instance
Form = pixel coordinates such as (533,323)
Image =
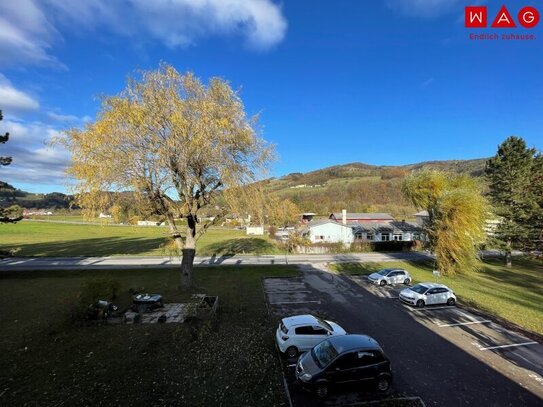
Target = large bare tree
(176,143)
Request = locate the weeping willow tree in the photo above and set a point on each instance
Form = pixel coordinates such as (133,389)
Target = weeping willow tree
(174,143)
(457,213)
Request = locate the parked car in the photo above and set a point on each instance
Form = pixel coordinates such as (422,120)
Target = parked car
(300,333)
(428,294)
(344,359)
(390,276)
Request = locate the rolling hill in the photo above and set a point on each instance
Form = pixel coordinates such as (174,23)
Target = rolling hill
(360,187)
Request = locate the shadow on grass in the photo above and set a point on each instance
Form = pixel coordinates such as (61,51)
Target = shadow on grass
(232,247)
(525,273)
(105,246)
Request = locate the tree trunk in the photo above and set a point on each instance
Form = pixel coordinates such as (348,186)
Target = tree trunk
(186,267)
(189,252)
(508,257)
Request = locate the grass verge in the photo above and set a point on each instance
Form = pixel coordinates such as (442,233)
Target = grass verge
(514,294)
(47,361)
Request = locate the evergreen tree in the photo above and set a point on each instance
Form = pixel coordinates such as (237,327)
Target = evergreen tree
(514,187)
(12,213)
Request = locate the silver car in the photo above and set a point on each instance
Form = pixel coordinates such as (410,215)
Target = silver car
(428,294)
(390,276)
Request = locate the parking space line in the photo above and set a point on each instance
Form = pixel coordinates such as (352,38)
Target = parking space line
(484,321)
(508,346)
(431,308)
(287,291)
(294,302)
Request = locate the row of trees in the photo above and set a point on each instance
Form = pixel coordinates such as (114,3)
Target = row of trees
(12,213)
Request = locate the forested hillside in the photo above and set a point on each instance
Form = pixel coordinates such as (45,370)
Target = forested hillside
(360,187)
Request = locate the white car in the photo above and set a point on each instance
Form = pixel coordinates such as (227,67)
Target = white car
(302,332)
(390,276)
(428,294)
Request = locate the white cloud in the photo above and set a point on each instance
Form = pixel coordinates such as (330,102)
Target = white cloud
(425,8)
(13,100)
(63,118)
(30,28)
(34,161)
(26,34)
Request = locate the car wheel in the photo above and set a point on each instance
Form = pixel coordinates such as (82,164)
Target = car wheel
(420,304)
(292,351)
(383,384)
(382,283)
(407,281)
(322,390)
(451,301)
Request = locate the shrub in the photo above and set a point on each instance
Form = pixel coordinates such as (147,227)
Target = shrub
(91,292)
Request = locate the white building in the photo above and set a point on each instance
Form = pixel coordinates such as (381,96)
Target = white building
(328,231)
(255,230)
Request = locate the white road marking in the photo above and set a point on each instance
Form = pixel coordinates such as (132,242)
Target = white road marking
(287,291)
(425,309)
(508,346)
(294,302)
(464,323)
(291,365)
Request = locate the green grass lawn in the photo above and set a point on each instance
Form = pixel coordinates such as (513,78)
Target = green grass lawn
(47,361)
(58,239)
(514,294)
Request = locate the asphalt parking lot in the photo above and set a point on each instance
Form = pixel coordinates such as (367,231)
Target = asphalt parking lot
(446,356)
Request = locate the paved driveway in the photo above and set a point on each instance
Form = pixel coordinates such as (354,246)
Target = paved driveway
(446,355)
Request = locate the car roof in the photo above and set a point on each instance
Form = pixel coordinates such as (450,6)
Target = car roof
(300,320)
(433,285)
(392,269)
(345,343)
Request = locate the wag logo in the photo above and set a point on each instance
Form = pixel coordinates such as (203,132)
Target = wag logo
(478,17)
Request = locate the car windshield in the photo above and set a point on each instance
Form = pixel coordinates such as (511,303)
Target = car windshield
(325,324)
(324,353)
(384,272)
(420,289)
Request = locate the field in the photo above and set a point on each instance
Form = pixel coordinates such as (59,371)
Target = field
(31,238)
(513,294)
(48,361)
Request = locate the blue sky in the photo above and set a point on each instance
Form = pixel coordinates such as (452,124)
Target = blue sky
(388,82)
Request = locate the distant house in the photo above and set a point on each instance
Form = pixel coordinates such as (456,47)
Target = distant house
(36,212)
(104,215)
(347,217)
(399,231)
(361,227)
(148,223)
(255,230)
(328,231)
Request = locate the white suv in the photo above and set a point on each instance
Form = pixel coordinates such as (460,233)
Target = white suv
(302,332)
